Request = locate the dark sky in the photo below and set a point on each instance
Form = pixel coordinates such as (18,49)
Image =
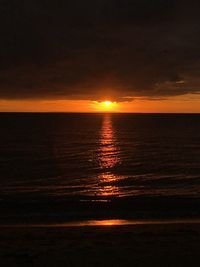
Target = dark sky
(94,48)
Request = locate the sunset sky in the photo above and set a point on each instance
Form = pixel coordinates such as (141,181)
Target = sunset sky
(72,56)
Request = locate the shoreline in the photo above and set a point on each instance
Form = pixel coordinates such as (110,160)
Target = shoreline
(104,223)
(114,245)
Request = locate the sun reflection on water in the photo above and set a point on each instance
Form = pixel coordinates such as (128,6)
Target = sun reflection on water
(108,158)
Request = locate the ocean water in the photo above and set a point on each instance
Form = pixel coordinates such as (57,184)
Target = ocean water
(64,165)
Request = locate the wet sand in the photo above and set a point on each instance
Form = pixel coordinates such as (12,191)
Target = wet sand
(160,244)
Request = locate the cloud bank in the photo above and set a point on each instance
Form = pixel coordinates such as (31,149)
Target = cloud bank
(117,49)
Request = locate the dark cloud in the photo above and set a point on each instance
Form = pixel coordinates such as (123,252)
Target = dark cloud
(95,49)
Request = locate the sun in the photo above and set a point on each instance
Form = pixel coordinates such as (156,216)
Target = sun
(105,106)
(107,103)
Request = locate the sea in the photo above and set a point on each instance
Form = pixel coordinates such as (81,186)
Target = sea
(60,167)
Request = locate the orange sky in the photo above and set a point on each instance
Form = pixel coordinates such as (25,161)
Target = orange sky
(181,104)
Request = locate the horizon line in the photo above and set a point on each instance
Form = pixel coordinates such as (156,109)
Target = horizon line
(96,112)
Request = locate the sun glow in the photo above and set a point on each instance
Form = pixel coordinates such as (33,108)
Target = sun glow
(105,106)
(107,103)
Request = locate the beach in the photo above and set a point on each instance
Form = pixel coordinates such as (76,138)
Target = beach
(159,244)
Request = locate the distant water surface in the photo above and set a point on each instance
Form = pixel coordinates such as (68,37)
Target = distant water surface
(96,157)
